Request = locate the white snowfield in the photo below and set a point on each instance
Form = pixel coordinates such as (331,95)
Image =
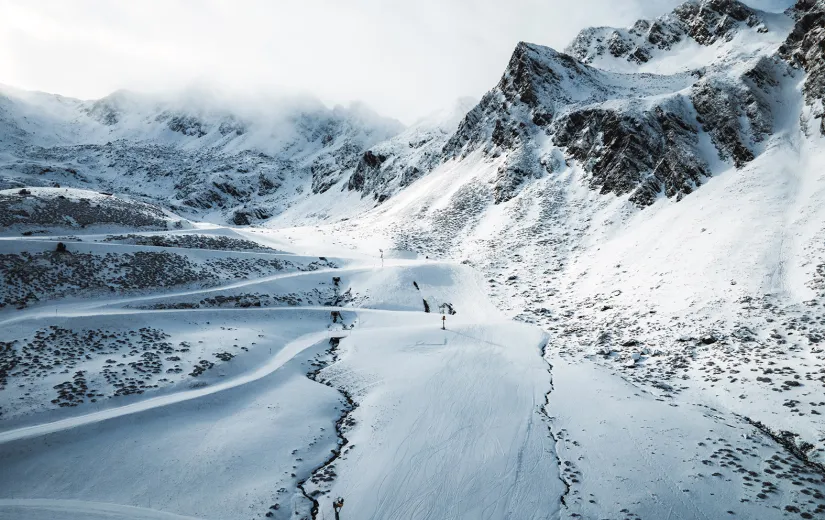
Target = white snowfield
(449,423)
(400,418)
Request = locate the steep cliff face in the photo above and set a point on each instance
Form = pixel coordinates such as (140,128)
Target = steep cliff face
(737,110)
(805,49)
(644,152)
(644,111)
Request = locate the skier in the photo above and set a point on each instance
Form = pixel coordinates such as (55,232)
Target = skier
(443,322)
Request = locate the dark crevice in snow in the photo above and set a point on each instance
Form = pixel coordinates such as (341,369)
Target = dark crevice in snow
(544,411)
(344,418)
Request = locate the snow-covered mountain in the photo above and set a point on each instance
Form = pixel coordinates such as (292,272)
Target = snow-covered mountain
(652,198)
(194,152)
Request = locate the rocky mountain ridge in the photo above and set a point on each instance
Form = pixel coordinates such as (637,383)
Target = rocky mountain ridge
(622,103)
(195,156)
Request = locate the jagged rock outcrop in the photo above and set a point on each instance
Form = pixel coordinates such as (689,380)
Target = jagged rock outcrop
(704,21)
(634,134)
(805,48)
(600,119)
(395,164)
(537,85)
(736,111)
(643,153)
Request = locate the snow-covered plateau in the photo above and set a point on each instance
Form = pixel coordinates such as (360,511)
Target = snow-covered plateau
(598,292)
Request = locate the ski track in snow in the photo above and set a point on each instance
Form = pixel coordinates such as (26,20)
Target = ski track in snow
(437,431)
(289,351)
(473,422)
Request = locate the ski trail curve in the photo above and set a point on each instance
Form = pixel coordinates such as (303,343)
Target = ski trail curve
(289,351)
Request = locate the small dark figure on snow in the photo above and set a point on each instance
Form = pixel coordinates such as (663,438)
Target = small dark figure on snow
(61,247)
(336,506)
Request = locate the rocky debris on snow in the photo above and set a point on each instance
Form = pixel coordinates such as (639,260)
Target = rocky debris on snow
(60,208)
(34,277)
(191,241)
(326,297)
(106,363)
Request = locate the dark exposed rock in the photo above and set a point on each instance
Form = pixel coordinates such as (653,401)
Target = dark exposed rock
(368,164)
(246,217)
(723,105)
(190,241)
(187,125)
(704,21)
(390,166)
(53,209)
(232,125)
(707,21)
(805,48)
(643,153)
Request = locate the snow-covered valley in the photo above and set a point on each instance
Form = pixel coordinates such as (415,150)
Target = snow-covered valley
(215,312)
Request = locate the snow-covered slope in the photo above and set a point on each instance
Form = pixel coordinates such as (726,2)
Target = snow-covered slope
(649,203)
(668,225)
(196,152)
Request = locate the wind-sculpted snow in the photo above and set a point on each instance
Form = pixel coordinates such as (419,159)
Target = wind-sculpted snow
(655,224)
(39,271)
(79,376)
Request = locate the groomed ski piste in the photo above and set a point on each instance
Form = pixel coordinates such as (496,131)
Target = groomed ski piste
(271,395)
(410,417)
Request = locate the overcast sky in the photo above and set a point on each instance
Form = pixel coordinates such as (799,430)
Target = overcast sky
(404,59)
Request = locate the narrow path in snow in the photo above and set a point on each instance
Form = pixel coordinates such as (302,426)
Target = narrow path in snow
(98,305)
